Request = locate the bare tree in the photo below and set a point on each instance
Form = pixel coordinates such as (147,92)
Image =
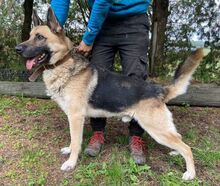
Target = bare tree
(26,28)
(159,22)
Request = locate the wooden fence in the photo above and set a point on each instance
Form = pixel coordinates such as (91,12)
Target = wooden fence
(197,95)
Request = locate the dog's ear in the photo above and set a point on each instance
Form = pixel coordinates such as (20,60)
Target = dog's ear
(52,22)
(36,19)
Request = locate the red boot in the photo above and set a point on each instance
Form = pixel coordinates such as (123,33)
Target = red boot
(95,144)
(136,146)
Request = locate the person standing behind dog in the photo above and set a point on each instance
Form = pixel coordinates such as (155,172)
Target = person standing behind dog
(114,26)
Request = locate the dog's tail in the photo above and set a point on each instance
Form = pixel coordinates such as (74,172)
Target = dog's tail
(183,75)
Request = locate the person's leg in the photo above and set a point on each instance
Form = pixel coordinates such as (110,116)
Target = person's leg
(103,54)
(133,53)
(134,63)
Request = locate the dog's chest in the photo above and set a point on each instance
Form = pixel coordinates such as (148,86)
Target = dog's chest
(72,90)
(55,88)
(58,96)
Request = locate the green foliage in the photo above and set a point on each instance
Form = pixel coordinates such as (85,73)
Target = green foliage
(206,155)
(188,20)
(191,21)
(209,69)
(174,179)
(115,171)
(32,156)
(77,20)
(10,29)
(117,65)
(4,104)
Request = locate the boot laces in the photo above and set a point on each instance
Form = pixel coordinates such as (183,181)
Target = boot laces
(97,137)
(137,144)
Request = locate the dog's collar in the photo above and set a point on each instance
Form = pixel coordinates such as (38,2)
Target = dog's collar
(43,67)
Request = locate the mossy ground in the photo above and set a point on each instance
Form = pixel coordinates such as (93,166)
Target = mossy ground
(32,131)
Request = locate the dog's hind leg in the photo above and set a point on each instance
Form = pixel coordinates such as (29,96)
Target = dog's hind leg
(172,140)
(76,121)
(157,121)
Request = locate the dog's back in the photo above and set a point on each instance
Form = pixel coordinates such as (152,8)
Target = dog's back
(115,92)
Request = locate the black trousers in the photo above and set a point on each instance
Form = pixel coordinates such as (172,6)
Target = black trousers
(130,38)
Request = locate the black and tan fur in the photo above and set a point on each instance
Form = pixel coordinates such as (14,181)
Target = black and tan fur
(83,90)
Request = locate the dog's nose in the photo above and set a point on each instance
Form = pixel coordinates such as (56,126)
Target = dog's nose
(20,49)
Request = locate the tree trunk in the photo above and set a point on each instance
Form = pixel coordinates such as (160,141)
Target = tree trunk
(159,22)
(26,28)
(1,2)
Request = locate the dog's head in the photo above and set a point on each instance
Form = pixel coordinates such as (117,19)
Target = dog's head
(47,43)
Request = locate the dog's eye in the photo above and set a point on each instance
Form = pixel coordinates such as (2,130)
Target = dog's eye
(39,37)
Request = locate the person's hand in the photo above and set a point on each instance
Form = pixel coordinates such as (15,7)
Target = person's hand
(84,49)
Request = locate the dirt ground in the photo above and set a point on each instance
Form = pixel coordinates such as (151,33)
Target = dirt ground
(32,131)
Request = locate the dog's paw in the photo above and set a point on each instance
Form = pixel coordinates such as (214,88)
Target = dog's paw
(188,176)
(126,119)
(68,165)
(174,153)
(65,150)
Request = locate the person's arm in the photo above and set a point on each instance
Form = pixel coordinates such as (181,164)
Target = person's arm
(61,9)
(99,12)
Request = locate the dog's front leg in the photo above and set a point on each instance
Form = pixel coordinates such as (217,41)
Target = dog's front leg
(76,121)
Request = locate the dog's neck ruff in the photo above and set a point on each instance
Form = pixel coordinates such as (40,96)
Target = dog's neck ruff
(43,67)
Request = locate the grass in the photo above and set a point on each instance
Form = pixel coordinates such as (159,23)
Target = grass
(174,179)
(206,154)
(112,172)
(191,135)
(32,131)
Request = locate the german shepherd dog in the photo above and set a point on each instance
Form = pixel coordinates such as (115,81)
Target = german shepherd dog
(84,90)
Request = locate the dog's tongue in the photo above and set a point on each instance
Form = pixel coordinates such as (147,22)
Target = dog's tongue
(30,63)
